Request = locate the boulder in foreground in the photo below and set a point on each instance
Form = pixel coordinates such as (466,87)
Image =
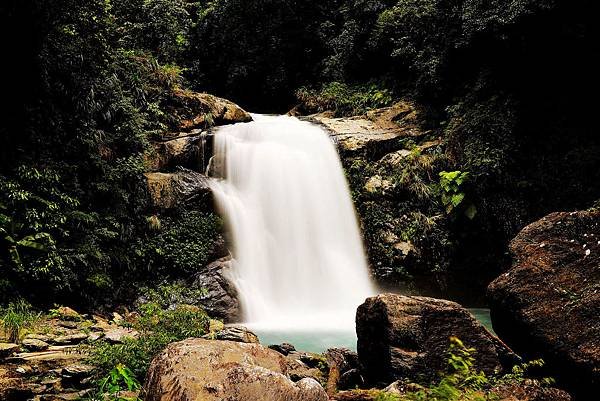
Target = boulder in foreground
(211,370)
(408,337)
(548,304)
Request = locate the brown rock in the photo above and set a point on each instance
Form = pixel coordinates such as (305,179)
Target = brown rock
(548,304)
(190,150)
(7,349)
(33,344)
(168,190)
(73,396)
(201,110)
(69,339)
(375,134)
(77,370)
(529,391)
(298,368)
(66,313)
(283,348)
(408,337)
(234,332)
(343,370)
(209,370)
(117,335)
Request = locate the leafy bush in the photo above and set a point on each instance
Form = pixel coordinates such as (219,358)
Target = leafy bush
(121,378)
(157,328)
(184,244)
(34,213)
(167,294)
(451,185)
(343,99)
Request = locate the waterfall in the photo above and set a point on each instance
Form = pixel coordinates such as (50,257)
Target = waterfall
(298,255)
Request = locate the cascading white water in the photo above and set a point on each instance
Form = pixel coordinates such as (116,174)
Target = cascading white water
(299,260)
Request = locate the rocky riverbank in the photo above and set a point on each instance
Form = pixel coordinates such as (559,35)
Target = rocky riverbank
(47,365)
(404,343)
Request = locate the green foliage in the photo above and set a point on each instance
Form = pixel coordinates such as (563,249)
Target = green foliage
(415,173)
(120,378)
(261,68)
(16,317)
(460,381)
(100,76)
(183,244)
(384,396)
(160,27)
(451,184)
(157,328)
(343,99)
(34,213)
(168,294)
(520,372)
(406,230)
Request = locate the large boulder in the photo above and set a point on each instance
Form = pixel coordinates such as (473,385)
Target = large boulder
(201,110)
(168,190)
(211,370)
(408,337)
(220,297)
(548,304)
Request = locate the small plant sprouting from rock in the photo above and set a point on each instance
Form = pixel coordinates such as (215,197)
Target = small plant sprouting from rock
(452,192)
(119,379)
(519,373)
(461,381)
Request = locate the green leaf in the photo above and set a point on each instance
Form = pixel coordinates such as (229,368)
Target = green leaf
(457,199)
(31,244)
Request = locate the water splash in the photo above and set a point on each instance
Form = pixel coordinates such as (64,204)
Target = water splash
(299,260)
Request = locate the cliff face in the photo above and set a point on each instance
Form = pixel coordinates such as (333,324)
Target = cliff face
(392,165)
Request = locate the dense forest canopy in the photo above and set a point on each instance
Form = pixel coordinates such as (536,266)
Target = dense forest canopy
(506,84)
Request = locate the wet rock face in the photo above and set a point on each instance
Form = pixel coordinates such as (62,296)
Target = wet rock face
(548,304)
(191,150)
(379,152)
(220,300)
(408,337)
(198,369)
